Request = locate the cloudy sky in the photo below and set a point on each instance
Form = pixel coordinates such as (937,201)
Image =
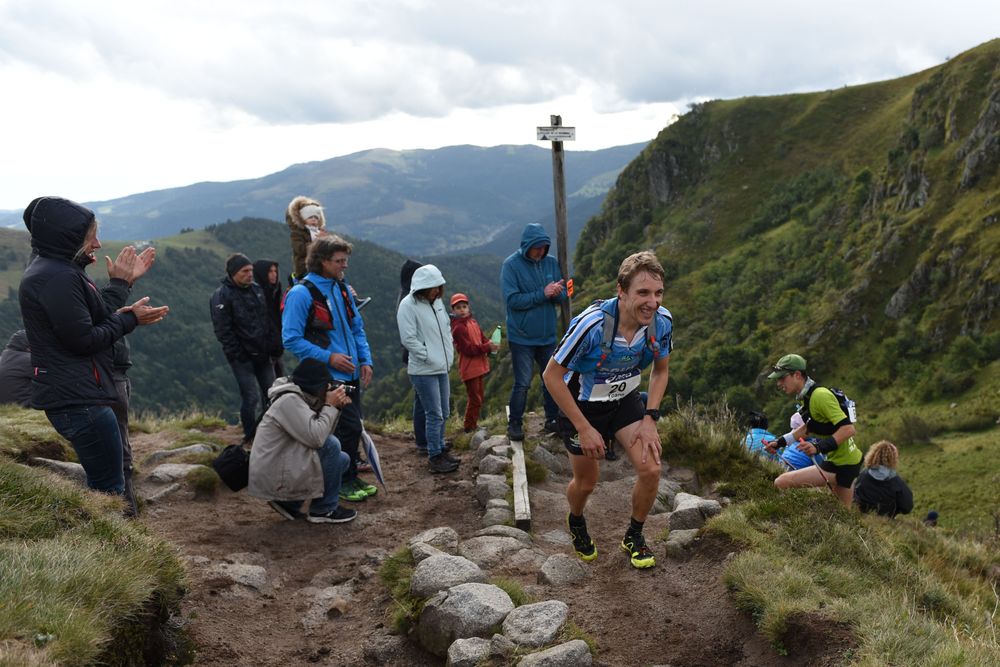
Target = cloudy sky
(104,98)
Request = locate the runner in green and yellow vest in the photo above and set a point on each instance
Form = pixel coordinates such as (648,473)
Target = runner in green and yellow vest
(828,429)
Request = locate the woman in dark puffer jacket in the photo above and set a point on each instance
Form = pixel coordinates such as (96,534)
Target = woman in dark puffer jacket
(71,332)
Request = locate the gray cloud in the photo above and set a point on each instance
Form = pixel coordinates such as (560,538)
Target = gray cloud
(312,62)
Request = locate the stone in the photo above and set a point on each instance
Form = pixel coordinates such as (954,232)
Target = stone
(466,610)
(561,570)
(422,550)
(691,511)
(162,494)
(571,654)
(489,487)
(501,450)
(477,439)
(536,624)
(468,652)
(501,647)
(489,551)
(494,465)
(385,649)
(665,494)
(554,462)
(679,540)
(326,603)
(505,531)
(487,447)
(164,454)
(497,517)
(439,573)
(253,577)
(73,471)
(444,538)
(498,503)
(174,472)
(560,537)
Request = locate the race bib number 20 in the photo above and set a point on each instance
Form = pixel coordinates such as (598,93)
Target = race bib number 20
(615,386)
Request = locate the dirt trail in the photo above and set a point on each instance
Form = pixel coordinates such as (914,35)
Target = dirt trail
(677,613)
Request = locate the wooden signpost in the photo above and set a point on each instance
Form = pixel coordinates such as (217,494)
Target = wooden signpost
(557,134)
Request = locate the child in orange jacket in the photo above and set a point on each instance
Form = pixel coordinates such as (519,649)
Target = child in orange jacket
(473,361)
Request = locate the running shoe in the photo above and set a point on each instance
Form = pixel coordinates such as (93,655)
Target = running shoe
(364,466)
(582,544)
(369,489)
(338,515)
(352,492)
(641,555)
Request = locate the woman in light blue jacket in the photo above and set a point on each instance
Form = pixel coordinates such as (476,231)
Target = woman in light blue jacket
(425,331)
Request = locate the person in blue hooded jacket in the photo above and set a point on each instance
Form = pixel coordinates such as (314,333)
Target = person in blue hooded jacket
(330,330)
(532,286)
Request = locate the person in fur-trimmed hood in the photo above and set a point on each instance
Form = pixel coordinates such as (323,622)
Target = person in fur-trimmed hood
(306,222)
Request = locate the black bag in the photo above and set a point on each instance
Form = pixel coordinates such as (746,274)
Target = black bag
(233,467)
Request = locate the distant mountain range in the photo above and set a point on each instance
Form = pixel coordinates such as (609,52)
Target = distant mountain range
(420,202)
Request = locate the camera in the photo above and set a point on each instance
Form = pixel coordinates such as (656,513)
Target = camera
(348,388)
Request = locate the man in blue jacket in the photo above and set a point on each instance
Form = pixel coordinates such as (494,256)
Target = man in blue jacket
(532,286)
(321,321)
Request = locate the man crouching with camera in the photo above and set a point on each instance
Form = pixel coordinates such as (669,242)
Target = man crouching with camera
(295,456)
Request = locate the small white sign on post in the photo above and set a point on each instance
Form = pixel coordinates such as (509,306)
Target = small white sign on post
(557,133)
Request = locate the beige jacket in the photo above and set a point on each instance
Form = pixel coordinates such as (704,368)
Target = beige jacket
(284,462)
(300,236)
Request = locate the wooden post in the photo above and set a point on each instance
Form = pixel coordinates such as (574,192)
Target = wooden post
(562,227)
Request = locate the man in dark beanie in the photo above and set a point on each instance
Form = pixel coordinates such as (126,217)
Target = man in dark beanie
(242,325)
(295,456)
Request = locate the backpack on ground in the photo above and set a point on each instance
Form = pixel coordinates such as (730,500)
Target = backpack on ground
(233,467)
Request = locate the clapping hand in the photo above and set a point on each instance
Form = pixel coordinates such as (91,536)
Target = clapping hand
(146,314)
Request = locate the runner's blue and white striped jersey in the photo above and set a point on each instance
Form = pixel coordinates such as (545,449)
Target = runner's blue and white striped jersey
(598,374)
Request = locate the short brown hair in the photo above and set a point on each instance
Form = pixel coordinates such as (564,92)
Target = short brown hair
(323,249)
(640,262)
(882,453)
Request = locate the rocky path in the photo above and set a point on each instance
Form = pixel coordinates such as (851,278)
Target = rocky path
(265,591)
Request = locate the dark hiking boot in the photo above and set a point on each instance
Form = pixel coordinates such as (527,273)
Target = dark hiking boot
(552,426)
(515,432)
(641,555)
(439,464)
(338,515)
(448,457)
(582,544)
(609,451)
(288,514)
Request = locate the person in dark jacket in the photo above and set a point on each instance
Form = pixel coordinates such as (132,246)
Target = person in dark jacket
(16,371)
(532,286)
(879,488)
(242,325)
(71,331)
(266,274)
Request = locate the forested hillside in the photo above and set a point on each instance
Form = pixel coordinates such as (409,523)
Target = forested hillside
(856,226)
(178,362)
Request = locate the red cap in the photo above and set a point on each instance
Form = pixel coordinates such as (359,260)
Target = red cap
(458,296)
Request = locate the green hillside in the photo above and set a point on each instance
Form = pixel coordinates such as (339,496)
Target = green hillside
(856,226)
(178,364)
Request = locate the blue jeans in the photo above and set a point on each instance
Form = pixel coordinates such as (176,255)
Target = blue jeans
(434,394)
(254,378)
(334,462)
(93,432)
(523,357)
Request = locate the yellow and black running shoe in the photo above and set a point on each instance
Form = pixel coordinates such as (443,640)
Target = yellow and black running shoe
(641,555)
(584,546)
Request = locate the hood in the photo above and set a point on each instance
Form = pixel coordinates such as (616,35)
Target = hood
(58,226)
(881,473)
(532,235)
(284,385)
(260,270)
(292,217)
(18,341)
(426,276)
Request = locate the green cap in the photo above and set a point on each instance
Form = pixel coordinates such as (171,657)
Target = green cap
(787,364)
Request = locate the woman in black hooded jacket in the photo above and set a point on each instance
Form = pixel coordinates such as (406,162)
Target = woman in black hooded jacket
(71,332)
(265,274)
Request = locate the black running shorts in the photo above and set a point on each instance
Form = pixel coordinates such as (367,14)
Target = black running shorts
(608,417)
(846,474)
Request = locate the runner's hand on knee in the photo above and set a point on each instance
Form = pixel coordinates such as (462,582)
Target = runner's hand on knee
(592,443)
(648,439)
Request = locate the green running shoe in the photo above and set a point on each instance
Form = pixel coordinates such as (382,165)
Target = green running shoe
(641,555)
(369,489)
(582,544)
(352,492)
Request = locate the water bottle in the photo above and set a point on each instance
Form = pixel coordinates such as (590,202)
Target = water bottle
(496,338)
